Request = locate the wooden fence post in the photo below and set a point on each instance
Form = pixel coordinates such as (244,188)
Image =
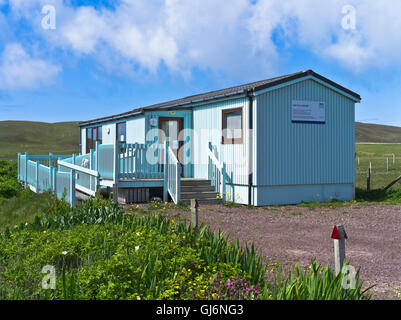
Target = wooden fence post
(387,164)
(368,180)
(339,235)
(393,158)
(194,213)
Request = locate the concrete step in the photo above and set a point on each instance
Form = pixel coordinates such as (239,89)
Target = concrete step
(195,183)
(203,201)
(198,195)
(201,188)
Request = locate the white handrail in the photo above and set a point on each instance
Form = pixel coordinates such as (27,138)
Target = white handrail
(173,155)
(79,168)
(214,159)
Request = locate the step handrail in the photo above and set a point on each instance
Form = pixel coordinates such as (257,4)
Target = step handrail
(217,172)
(172,175)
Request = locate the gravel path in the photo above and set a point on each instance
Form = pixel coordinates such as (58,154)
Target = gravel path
(290,234)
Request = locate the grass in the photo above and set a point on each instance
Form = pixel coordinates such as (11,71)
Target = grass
(377,154)
(37,138)
(22,208)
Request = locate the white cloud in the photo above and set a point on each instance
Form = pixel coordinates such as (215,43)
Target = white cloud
(18,70)
(212,35)
(376,41)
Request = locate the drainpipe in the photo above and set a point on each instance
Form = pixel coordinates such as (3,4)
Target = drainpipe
(249,94)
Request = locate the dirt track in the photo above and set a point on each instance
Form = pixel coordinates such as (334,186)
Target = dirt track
(289,234)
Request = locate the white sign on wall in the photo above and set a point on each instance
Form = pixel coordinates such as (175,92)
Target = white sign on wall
(308,111)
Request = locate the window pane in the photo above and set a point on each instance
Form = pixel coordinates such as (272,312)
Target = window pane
(121,132)
(99,133)
(233,125)
(94,134)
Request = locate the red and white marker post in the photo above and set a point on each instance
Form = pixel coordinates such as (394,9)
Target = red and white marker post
(339,235)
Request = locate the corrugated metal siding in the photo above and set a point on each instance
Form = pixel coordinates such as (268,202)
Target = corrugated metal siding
(298,153)
(208,127)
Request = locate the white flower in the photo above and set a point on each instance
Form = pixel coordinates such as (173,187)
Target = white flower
(138,298)
(136,248)
(64,253)
(138,233)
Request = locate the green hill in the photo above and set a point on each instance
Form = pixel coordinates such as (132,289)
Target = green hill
(37,138)
(63,137)
(367,132)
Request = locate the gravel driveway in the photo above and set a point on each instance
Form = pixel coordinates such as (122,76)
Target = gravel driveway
(287,234)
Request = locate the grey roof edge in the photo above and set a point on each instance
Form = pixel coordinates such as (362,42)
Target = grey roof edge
(310,73)
(219,94)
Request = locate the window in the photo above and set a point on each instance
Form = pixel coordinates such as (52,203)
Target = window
(92,136)
(232,126)
(121,132)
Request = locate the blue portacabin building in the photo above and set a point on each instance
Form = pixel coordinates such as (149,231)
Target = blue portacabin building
(284,140)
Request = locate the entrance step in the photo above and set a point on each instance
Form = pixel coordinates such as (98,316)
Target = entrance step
(200,190)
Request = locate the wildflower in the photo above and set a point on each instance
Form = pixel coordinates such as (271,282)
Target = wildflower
(138,298)
(64,253)
(136,248)
(138,233)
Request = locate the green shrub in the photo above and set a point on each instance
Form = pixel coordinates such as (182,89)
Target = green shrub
(9,185)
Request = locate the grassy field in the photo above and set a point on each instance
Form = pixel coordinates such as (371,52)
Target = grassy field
(377,154)
(37,138)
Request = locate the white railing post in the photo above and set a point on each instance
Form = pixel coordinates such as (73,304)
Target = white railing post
(165,167)
(37,177)
(97,155)
(50,160)
(51,178)
(26,170)
(55,170)
(72,188)
(178,182)
(116,169)
(19,166)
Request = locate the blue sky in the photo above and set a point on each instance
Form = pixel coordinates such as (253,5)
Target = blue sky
(107,57)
